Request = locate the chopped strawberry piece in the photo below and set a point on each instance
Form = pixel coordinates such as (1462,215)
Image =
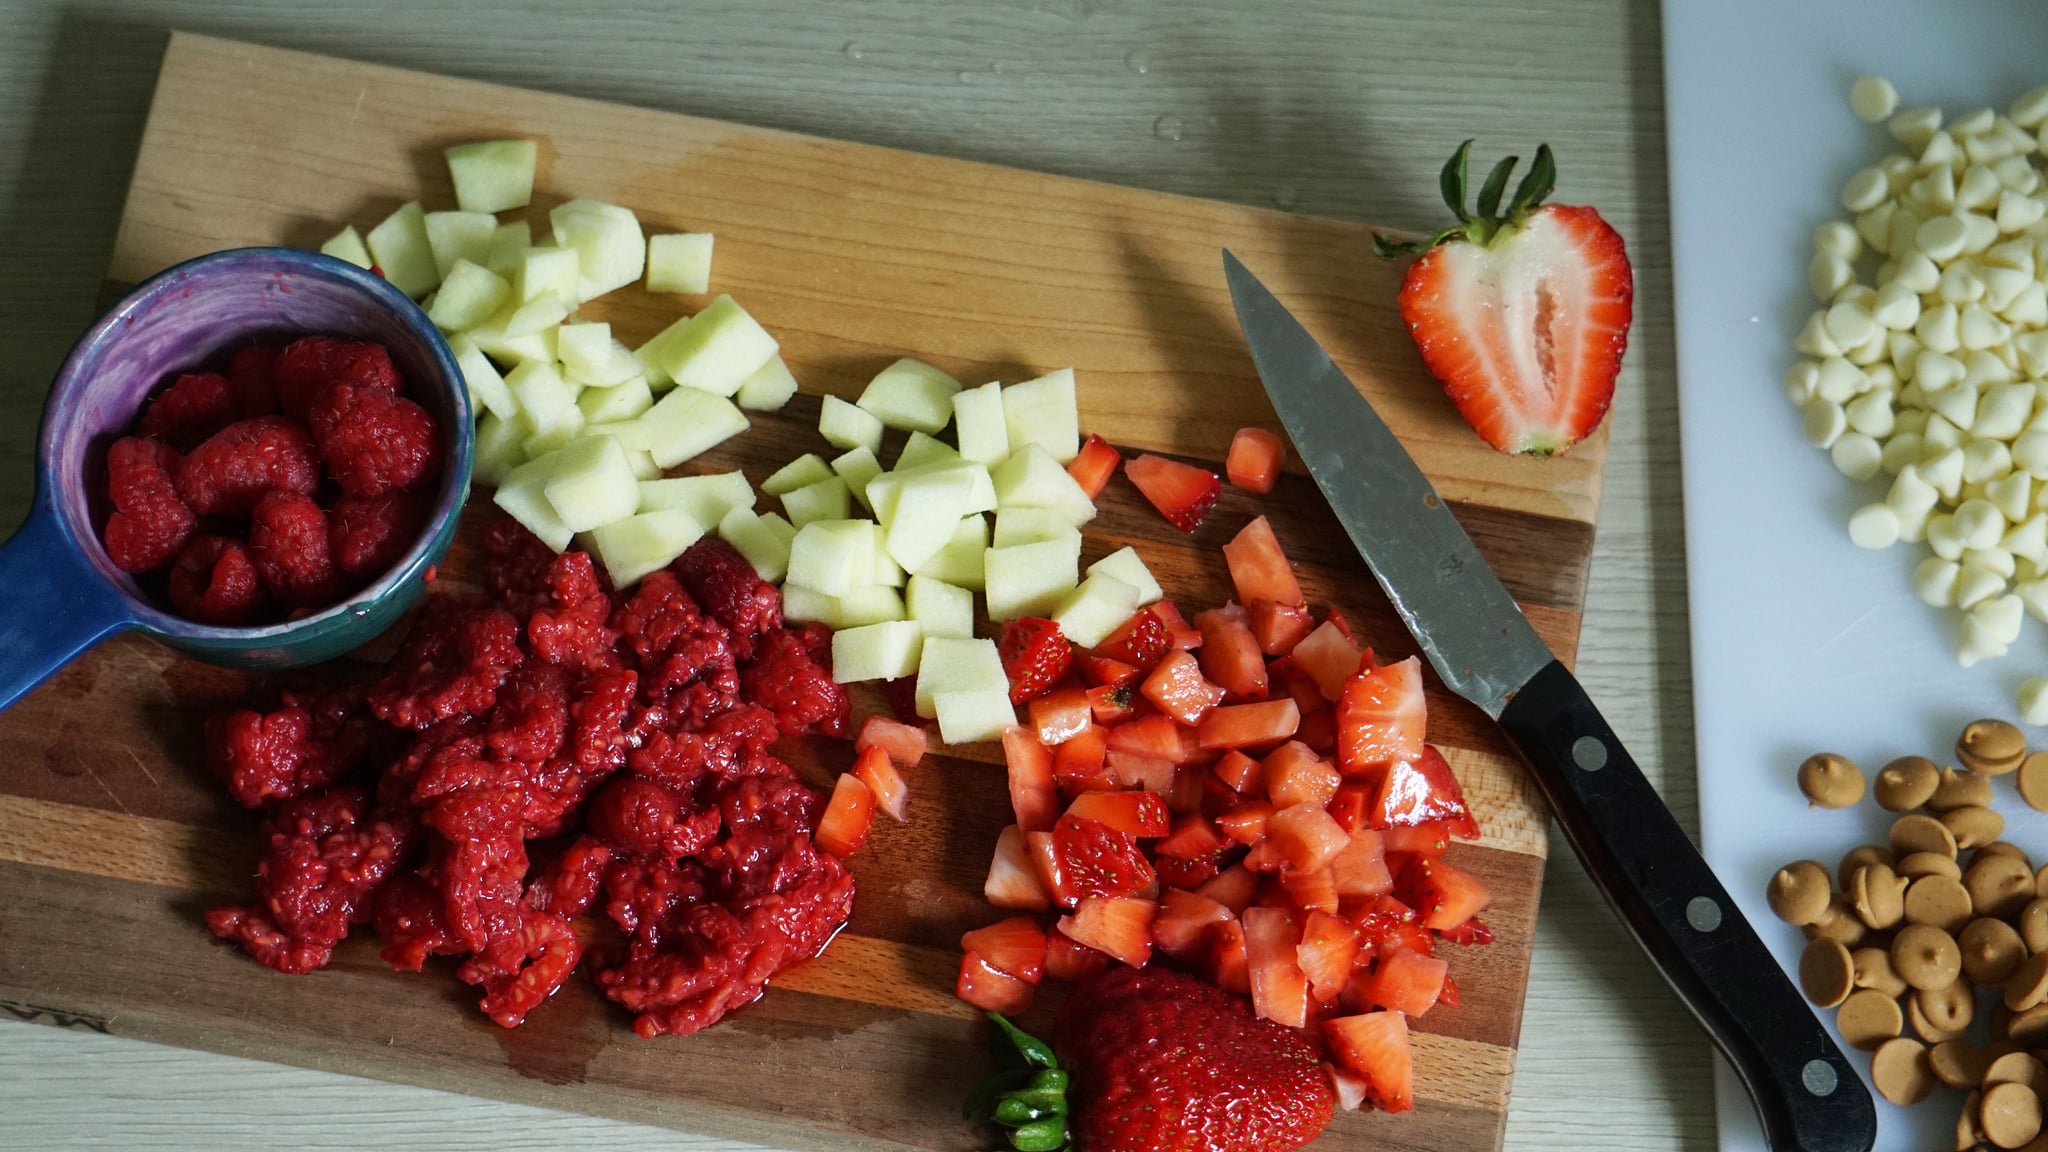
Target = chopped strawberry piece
(1079,765)
(1406,981)
(1061,714)
(1141,814)
(905,743)
(1106,674)
(1443,894)
(1279,990)
(1360,869)
(1012,880)
(989,989)
(1112,704)
(1182,926)
(1180,634)
(1473,931)
(1193,838)
(891,794)
(1328,946)
(1319,730)
(1133,771)
(1240,772)
(1044,855)
(1230,653)
(1140,641)
(1381,717)
(1183,493)
(848,815)
(1246,823)
(1350,806)
(1423,791)
(1071,961)
(1266,856)
(1187,874)
(1375,1046)
(1278,627)
(1307,836)
(1117,926)
(1296,775)
(1351,1089)
(1260,725)
(1254,460)
(1385,925)
(1157,737)
(1451,997)
(1189,783)
(1229,966)
(1034,798)
(1097,860)
(1328,655)
(1310,890)
(1235,888)
(1259,569)
(1178,688)
(1420,839)
(1092,467)
(1014,947)
(1035,655)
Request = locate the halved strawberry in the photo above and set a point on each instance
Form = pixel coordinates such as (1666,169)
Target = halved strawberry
(1035,655)
(1360,869)
(1181,929)
(1254,460)
(1423,791)
(1328,655)
(1278,627)
(1306,835)
(1139,641)
(1247,822)
(1060,714)
(1044,855)
(1255,726)
(1117,926)
(1092,467)
(1375,1046)
(989,988)
(1443,894)
(1521,314)
(1259,569)
(1294,774)
(848,815)
(1104,672)
(1141,814)
(1235,888)
(1034,797)
(1311,890)
(1381,717)
(1015,947)
(1012,880)
(1133,771)
(1178,688)
(1078,763)
(1074,962)
(1279,990)
(1407,981)
(1230,653)
(1242,773)
(1328,946)
(1192,838)
(1097,860)
(1155,736)
(1228,965)
(1183,493)
(905,743)
(876,771)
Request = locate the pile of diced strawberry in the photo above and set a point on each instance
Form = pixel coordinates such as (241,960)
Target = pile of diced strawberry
(1250,794)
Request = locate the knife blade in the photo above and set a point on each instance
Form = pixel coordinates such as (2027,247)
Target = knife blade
(1480,644)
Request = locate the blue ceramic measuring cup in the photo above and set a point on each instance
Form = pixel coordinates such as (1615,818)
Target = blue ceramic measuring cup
(59,592)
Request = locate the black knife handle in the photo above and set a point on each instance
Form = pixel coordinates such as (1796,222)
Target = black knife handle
(1809,1098)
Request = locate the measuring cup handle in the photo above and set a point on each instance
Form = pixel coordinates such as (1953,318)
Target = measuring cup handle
(53,604)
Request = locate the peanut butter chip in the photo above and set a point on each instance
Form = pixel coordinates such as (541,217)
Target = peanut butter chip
(2028,984)
(1906,783)
(1826,973)
(1926,957)
(2028,1029)
(1869,1018)
(1838,923)
(1958,1063)
(2005,848)
(1939,901)
(1862,856)
(1939,1014)
(2017,1068)
(1973,825)
(1992,747)
(2033,926)
(1798,892)
(2009,1115)
(1960,790)
(1873,969)
(2033,781)
(1991,950)
(1918,833)
(1999,885)
(1929,864)
(1900,1072)
(1878,895)
(1831,781)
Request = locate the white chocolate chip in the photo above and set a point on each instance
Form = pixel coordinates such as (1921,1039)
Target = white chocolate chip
(1936,330)
(1957,403)
(1980,232)
(1873,98)
(1944,472)
(1918,272)
(1871,415)
(1828,274)
(1976,583)
(1973,123)
(2004,411)
(1898,307)
(1994,560)
(1938,436)
(1874,526)
(2034,594)
(1985,461)
(2029,308)
(1978,189)
(1978,328)
(2033,700)
(1814,339)
(1801,380)
(1934,581)
(1838,237)
(1902,449)
(2002,617)
(2012,495)
(1978,643)
(1942,536)
(1857,456)
(1940,151)
(1942,237)
(1865,190)
(1978,524)
(1825,421)
(2028,539)
(1914,127)
(1840,381)
(1874,227)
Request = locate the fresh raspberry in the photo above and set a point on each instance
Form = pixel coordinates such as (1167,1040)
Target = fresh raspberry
(570,629)
(407,915)
(367,534)
(194,407)
(374,441)
(783,678)
(307,365)
(250,379)
(730,591)
(517,565)
(230,472)
(325,858)
(635,816)
(288,542)
(573,882)
(674,643)
(451,665)
(307,744)
(531,718)
(150,522)
(215,582)
(525,968)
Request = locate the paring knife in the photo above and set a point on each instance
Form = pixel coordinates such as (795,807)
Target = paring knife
(1475,636)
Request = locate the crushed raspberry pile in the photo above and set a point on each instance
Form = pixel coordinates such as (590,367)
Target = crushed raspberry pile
(276,488)
(555,749)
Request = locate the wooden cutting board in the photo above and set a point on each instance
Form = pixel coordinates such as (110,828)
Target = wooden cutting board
(113,838)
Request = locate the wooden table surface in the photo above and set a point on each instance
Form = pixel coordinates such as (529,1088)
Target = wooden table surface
(1333,107)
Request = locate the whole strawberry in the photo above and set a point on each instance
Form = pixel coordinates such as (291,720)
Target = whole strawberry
(1522,314)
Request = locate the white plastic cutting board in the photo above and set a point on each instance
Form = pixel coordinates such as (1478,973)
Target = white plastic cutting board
(1801,641)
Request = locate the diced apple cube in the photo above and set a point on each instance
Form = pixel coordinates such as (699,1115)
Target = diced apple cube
(400,248)
(857,467)
(493,175)
(687,423)
(869,604)
(923,513)
(833,556)
(347,244)
(610,250)
(647,542)
(718,348)
(470,295)
(522,494)
(1097,608)
(888,573)
(499,448)
(649,355)
(496,338)
(883,489)
(548,272)
(617,402)
(922,451)
(679,262)
(950,665)
(801,605)
(845,426)
(706,498)
(827,499)
(808,468)
(1031,478)
(644,467)
(1043,412)
(584,349)
(460,236)
(556,435)
(979,426)
(543,397)
(507,253)
(613,364)
(972,717)
(1016,525)
(593,484)
(755,538)
(769,388)
(545,314)
(941,609)
(960,562)
(487,391)
(911,394)
(1030,579)
(885,651)
(1126,565)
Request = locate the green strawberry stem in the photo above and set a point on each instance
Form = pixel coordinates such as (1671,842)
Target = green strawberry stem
(1488,222)
(1028,1095)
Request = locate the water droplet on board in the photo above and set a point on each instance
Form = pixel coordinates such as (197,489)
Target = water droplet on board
(1286,196)
(1137,61)
(854,51)
(1168,128)
(964,77)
